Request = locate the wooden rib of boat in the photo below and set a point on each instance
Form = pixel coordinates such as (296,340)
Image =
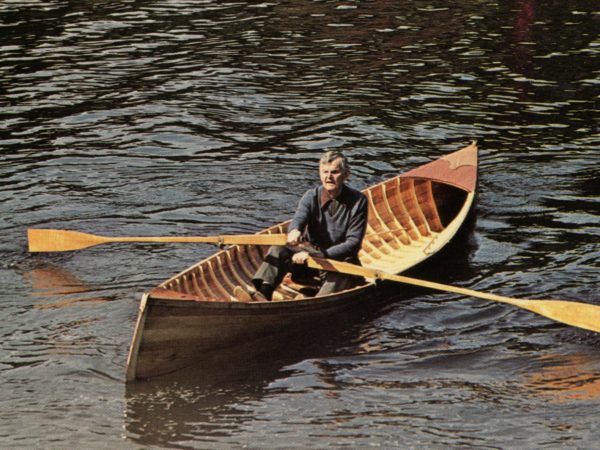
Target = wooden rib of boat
(411,217)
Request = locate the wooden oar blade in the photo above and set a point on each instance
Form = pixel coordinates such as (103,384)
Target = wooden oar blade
(46,240)
(576,314)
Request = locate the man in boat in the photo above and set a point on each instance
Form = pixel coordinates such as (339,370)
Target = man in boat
(330,222)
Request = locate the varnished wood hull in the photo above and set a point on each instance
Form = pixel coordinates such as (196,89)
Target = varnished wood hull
(411,217)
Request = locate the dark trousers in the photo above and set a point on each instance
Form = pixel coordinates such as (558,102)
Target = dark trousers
(278,262)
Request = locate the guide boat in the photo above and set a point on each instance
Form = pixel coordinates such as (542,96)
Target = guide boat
(194,314)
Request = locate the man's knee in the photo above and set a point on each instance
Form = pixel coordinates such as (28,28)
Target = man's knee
(277,255)
(335,282)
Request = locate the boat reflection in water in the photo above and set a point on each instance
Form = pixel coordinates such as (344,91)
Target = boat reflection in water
(208,398)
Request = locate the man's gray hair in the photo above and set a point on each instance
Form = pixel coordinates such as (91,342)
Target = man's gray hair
(331,155)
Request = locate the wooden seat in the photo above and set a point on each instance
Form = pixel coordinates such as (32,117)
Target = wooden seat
(308,286)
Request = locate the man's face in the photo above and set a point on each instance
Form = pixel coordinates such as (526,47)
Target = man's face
(332,176)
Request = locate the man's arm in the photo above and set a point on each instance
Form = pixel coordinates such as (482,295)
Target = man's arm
(300,219)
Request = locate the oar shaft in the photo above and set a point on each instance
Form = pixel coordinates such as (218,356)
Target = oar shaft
(240,239)
(256,239)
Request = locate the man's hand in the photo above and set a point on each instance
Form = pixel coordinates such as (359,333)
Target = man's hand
(300,257)
(293,238)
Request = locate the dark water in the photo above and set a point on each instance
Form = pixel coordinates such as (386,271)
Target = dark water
(202,117)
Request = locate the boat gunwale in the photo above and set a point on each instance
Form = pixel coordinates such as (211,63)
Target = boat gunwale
(277,304)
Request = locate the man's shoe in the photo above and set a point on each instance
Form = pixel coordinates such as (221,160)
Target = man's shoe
(258,296)
(248,295)
(241,294)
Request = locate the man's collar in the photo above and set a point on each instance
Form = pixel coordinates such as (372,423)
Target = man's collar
(325,198)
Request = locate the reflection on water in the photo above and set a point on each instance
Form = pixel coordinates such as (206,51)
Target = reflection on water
(214,398)
(564,378)
(524,37)
(205,403)
(51,282)
(209,399)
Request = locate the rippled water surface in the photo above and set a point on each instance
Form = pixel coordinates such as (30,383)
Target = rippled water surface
(201,117)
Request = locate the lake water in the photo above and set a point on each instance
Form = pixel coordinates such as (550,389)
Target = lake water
(169,117)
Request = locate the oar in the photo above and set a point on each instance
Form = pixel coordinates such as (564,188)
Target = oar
(48,240)
(44,240)
(581,315)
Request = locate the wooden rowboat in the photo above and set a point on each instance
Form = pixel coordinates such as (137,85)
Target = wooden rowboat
(192,315)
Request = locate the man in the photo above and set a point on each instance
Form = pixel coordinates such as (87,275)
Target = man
(331,219)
